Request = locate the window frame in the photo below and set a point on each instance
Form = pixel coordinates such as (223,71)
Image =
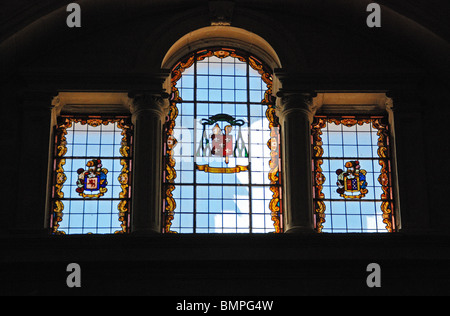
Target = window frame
(169,141)
(349,115)
(59,177)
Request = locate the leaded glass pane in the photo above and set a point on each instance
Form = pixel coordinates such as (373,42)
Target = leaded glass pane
(221,146)
(91,192)
(353,185)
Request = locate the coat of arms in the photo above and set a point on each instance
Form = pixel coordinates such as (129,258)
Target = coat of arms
(221,143)
(352,183)
(93,179)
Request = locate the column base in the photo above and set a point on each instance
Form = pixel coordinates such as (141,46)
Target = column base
(300,230)
(144,232)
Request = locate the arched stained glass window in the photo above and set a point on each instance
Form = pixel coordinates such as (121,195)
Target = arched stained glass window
(222,146)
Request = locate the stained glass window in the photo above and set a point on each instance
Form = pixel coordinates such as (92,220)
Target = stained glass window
(352,174)
(222,141)
(92,173)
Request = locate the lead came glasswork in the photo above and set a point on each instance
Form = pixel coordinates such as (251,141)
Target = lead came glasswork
(221,146)
(352,182)
(352,174)
(219,143)
(92,179)
(91,191)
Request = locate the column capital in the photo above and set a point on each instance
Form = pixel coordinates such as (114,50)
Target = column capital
(295,101)
(149,102)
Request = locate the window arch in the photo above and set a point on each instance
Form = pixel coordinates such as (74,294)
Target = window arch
(222,146)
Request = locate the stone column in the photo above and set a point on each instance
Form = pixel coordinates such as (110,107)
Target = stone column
(411,163)
(148,115)
(294,110)
(33,177)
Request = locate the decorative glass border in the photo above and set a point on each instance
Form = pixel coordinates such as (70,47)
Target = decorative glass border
(170,141)
(65,122)
(384,159)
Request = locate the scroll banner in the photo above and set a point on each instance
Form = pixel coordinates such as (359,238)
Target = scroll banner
(207,168)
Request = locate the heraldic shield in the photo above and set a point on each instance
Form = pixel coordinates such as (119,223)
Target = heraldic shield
(221,143)
(92,179)
(352,183)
